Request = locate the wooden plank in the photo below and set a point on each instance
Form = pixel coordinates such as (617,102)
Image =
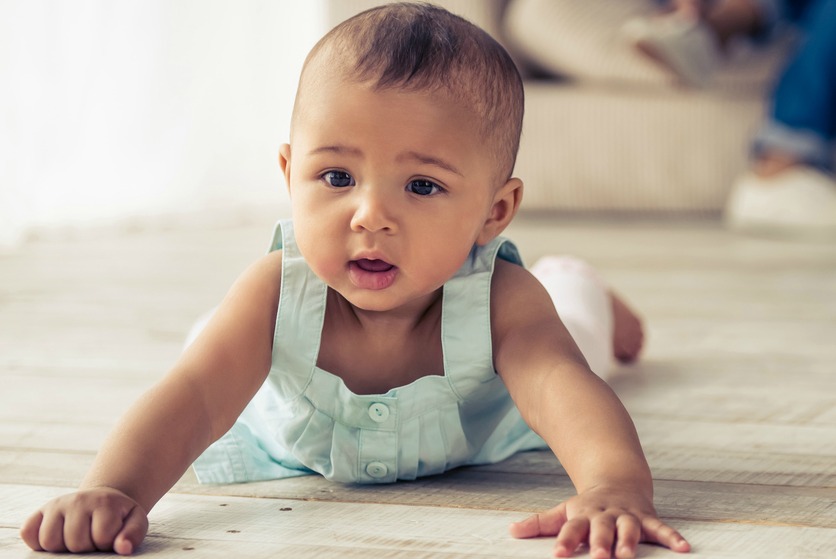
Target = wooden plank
(62,436)
(728,390)
(715,340)
(511,488)
(475,488)
(684,462)
(65,469)
(87,400)
(210,524)
(676,449)
(669,461)
(207,523)
(734,400)
(114,303)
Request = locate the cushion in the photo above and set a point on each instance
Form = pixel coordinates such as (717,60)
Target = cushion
(582,40)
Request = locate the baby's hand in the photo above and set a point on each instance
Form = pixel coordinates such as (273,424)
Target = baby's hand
(609,519)
(100,519)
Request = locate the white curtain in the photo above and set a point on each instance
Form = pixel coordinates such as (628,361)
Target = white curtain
(130,108)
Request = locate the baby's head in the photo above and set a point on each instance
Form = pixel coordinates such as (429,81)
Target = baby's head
(423,48)
(403,139)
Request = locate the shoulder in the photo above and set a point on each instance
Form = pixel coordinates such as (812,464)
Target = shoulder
(248,311)
(517,294)
(239,334)
(262,277)
(525,327)
(258,287)
(266,268)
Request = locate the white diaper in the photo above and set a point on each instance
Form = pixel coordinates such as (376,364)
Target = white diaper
(583,303)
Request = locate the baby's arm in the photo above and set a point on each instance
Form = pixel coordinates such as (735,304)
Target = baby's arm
(168,428)
(583,422)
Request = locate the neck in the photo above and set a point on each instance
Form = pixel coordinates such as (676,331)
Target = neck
(403,319)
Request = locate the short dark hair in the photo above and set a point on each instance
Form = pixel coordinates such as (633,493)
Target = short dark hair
(422,47)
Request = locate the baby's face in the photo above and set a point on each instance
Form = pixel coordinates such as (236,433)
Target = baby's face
(390,190)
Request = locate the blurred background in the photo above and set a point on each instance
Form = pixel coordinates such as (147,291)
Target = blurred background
(131,113)
(116,112)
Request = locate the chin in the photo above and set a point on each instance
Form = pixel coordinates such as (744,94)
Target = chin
(371,304)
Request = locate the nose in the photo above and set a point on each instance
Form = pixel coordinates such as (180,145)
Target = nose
(374,209)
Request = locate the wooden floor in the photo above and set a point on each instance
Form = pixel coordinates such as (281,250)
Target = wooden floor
(735,400)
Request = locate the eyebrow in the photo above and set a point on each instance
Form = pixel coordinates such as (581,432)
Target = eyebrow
(336,148)
(430,160)
(413,155)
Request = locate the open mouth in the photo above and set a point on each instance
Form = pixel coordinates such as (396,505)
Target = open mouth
(373,265)
(368,273)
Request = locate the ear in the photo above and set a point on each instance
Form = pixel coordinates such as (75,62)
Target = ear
(506,202)
(284,163)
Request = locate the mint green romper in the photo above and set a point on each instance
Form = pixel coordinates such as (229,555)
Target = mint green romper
(305,420)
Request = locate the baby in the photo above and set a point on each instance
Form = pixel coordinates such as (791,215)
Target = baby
(390,333)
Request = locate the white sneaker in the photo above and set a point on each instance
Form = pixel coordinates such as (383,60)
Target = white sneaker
(685,47)
(799,201)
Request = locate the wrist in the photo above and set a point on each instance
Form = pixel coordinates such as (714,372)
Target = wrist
(115,491)
(638,483)
(623,492)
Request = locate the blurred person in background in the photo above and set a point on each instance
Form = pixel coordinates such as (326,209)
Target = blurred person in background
(790,187)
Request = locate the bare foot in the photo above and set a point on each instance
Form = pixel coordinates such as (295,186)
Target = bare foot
(773,163)
(628,335)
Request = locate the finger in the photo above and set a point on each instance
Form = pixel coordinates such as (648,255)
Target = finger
(629,531)
(656,531)
(601,536)
(29,531)
(105,524)
(77,532)
(541,524)
(133,532)
(51,533)
(570,537)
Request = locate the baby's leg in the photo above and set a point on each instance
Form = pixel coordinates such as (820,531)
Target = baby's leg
(628,334)
(600,323)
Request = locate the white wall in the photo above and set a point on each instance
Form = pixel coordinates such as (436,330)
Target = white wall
(117,109)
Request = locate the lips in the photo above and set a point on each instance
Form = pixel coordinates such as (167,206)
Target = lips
(372,273)
(368,265)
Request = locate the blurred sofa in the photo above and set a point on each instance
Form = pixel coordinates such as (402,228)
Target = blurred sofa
(606,130)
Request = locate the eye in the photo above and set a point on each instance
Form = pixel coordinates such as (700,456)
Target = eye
(338,179)
(423,187)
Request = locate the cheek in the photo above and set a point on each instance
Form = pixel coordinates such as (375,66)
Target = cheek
(321,259)
(318,245)
(311,201)
(299,197)
(440,261)
(308,211)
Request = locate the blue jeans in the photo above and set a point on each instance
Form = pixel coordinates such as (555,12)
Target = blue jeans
(802,115)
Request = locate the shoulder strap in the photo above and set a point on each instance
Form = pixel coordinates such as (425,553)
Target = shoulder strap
(466,317)
(299,318)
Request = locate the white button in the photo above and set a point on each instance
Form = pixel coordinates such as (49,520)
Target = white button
(377,470)
(379,412)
